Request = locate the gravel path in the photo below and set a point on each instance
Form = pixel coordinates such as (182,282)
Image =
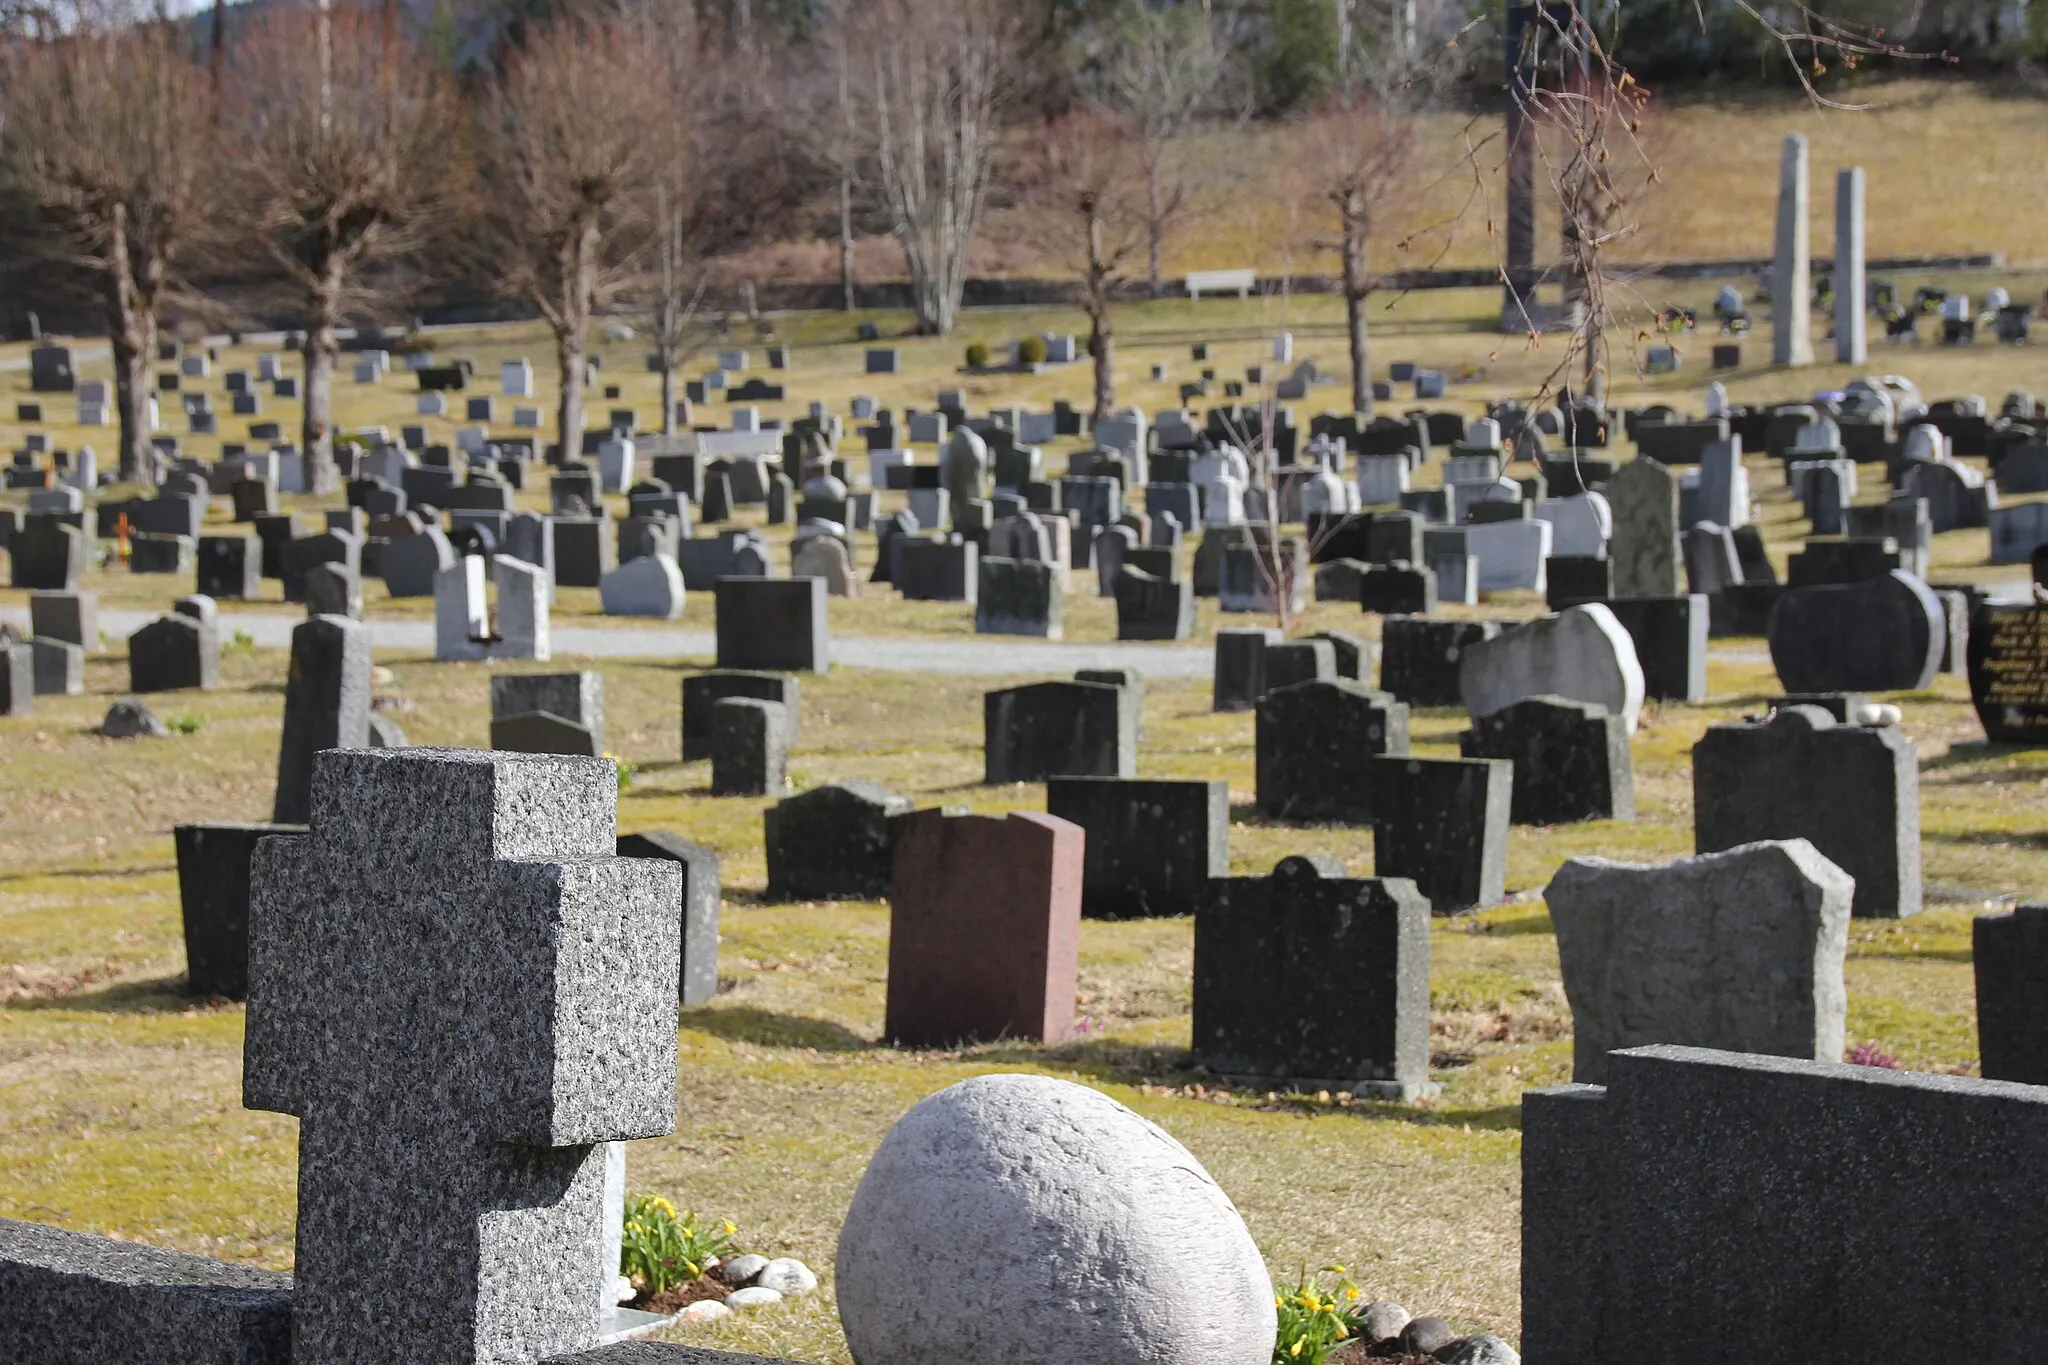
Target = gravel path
(985,655)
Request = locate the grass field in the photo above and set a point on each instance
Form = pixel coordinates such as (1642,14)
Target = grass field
(120,1097)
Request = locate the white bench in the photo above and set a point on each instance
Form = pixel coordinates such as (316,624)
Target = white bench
(1239,282)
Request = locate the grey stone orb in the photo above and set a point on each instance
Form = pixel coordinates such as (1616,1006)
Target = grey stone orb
(1021,1220)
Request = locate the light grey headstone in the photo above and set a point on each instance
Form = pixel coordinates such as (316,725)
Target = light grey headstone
(1740,951)
(1582,654)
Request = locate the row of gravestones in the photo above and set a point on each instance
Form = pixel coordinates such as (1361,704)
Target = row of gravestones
(1628,1194)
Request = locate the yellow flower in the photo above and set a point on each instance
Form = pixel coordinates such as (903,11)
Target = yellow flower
(1295,1349)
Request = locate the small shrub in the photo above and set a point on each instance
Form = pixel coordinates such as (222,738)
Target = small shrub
(1031,351)
(1870,1054)
(182,724)
(241,642)
(662,1248)
(977,355)
(1316,1316)
(625,769)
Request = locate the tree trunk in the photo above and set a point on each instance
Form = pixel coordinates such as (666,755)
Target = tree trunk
(846,241)
(131,396)
(668,389)
(316,428)
(1355,289)
(1155,226)
(1102,341)
(130,327)
(569,361)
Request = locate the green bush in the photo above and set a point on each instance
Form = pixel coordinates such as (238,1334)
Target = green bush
(977,354)
(1315,1320)
(663,1248)
(1031,351)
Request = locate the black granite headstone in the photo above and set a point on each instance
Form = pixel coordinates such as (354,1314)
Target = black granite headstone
(1420,658)
(1315,745)
(1152,846)
(213,891)
(1314,980)
(2008,665)
(831,842)
(699,978)
(1059,729)
(1443,824)
(703,691)
(1571,760)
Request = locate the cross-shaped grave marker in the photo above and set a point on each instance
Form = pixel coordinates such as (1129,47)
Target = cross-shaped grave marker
(461,1024)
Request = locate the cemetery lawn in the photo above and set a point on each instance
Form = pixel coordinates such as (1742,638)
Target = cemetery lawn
(120,1099)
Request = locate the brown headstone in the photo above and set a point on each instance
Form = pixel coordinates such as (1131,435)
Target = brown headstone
(984,927)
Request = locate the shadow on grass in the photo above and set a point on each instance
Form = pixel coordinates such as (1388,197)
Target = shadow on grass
(1984,751)
(1112,1061)
(159,995)
(1989,839)
(767,1029)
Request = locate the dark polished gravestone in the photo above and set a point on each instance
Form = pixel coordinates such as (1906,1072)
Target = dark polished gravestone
(541,732)
(1571,760)
(1645,1222)
(213,893)
(17,679)
(558,1041)
(1397,589)
(1315,741)
(984,928)
(1670,636)
(172,653)
(1240,667)
(326,706)
(1852,791)
(1059,729)
(703,691)
(1421,658)
(698,980)
(749,748)
(2008,667)
(1311,980)
(1017,597)
(831,842)
(1152,607)
(46,554)
(230,567)
(575,697)
(1152,846)
(772,624)
(1442,823)
(1881,635)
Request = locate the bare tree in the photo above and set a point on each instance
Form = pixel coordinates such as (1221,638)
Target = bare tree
(341,144)
(1166,72)
(1362,145)
(104,137)
(1091,182)
(565,154)
(929,82)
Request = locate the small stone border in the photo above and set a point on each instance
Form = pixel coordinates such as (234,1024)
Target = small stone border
(1390,1333)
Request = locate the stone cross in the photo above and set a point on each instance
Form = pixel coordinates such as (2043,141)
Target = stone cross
(1791,269)
(463,994)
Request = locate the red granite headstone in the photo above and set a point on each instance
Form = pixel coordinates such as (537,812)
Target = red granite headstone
(984,927)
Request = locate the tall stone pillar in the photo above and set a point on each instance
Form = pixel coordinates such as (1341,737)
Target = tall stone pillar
(1852,344)
(1791,269)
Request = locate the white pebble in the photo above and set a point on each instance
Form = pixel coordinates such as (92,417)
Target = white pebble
(753,1297)
(740,1269)
(705,1310)
(622,1289)
(1879,713)
(787,1275)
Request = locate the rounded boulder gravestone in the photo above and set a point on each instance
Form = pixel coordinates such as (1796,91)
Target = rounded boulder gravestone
(1051,1225)
(1881,635)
